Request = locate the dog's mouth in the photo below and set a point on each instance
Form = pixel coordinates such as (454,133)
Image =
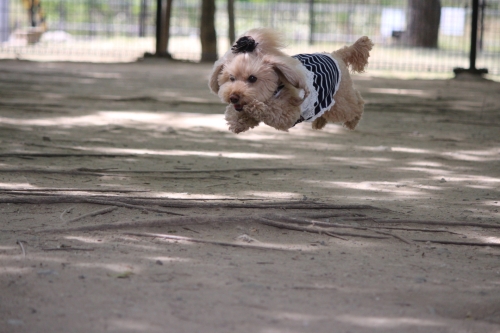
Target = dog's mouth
(238,107)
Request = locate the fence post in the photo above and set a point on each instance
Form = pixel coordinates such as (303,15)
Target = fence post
(473,45)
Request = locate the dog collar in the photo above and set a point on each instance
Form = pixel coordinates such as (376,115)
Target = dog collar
(301,119)
(279,89)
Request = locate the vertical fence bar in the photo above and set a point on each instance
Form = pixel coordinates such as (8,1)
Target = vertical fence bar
(4,21)
(473,44)
(311,22)
(231,34)
(142,18)
(481,32)
(473,35)
(158,26)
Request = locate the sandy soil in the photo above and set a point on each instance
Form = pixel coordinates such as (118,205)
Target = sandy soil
(186,244)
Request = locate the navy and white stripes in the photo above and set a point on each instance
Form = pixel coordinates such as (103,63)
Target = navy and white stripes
(323,82)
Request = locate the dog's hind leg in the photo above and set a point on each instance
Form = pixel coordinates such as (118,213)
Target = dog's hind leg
(319,123)
(351,124)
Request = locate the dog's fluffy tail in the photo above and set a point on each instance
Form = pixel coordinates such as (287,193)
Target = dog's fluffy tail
(357,54)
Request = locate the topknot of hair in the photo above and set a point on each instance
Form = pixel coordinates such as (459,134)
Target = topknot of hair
(244,44)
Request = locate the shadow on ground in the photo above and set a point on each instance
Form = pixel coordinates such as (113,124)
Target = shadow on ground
(127,205)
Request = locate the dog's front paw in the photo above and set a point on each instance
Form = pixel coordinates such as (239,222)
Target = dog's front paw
(237,128)
(239,121)
(256,110)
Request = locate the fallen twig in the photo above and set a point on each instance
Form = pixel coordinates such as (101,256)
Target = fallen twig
(207,170)
(121,204)
(328,215)
(51,189)
(335,225)
(189,229)
(68,248)
(22,247)
(97,212)
(266,221)
(56,171)
(65,212)
(401,238)
(198,240)
(414,229)
(63,155)
(108,201)
(178,203)
(103,172)
(265,205)
(456,242)
(172,221)
(304,220)
(445,223)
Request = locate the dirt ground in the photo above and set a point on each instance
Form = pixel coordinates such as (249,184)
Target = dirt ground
(185,243)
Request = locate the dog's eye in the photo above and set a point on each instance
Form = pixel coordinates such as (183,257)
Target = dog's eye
(252,79)
(232,78)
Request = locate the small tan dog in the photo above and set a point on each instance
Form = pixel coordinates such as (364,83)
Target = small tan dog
(261,83)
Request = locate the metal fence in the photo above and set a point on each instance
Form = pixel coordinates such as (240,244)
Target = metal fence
(123,30)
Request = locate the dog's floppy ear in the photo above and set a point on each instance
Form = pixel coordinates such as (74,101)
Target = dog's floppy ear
(213,83)
(289,69)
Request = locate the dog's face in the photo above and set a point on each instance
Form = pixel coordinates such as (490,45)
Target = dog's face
(245,79)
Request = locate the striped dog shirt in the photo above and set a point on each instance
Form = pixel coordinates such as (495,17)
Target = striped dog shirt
(323,81)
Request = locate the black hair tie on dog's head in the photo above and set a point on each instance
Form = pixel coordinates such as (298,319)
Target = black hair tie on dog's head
(244,44)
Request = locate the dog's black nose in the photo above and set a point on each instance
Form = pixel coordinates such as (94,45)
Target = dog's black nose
(234,98)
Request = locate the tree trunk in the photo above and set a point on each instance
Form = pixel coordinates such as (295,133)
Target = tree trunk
(166,28)
(208,36)
(424,17)
(164,11)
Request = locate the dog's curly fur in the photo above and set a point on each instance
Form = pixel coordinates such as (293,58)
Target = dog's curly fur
(248,83)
